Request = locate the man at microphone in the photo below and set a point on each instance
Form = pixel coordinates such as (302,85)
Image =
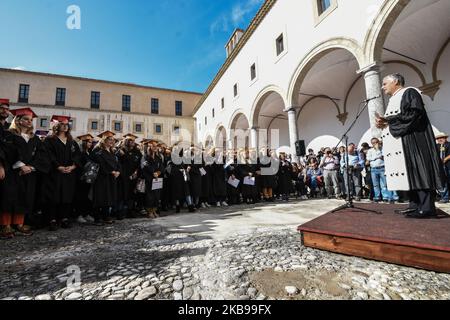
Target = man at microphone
(411,161)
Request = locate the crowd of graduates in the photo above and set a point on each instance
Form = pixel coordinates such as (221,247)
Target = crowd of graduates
(56,180)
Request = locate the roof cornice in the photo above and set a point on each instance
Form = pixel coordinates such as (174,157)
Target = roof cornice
(97,80)
(259,17)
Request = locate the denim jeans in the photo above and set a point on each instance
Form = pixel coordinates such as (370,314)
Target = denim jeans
(445,192)
(380,186)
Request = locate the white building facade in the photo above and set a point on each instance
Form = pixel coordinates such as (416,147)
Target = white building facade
(302,69)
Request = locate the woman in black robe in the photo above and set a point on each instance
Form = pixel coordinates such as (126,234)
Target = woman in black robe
(284,177)
(195,176)
(106,186)
(152,168)
(206,196)
(268,180)
(219,183)
(232,174)
(83,205)
(19,198)
(60,184)
(130,159)
(179,183)
(247,170)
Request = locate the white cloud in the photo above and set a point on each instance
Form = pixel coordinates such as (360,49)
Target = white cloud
(241,10)
(19,68)
(238,14)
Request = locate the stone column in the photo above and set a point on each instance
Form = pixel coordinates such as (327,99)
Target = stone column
(373,81)
(293,132)
(254,137)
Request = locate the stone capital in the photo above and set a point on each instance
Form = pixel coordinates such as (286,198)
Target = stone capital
(373,67)
(290,109)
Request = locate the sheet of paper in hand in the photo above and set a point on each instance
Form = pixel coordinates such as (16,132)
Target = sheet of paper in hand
(234,183)
(157,184)
(202,171)
(249,181)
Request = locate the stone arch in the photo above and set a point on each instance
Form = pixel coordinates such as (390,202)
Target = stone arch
(221,136)
(260,98)
(235,117)
(318,97)
(314,56)
(378,32)
(209,141)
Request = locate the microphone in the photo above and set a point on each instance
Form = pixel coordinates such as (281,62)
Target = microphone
(368,100)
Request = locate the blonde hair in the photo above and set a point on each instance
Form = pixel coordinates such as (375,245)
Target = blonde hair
(16,128)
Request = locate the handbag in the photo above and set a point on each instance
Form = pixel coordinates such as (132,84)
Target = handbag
(90,172)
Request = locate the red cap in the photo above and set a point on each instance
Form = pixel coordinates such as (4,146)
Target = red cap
(24,112)
(61,119)
(4,102)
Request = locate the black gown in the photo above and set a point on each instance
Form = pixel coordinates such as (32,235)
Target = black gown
(195,180)
(105,192)
(83,204)
(19,196)
(130,162)
(419,143)
(151,166)
(248,192)
(59,188)
(219,187)
(284,178)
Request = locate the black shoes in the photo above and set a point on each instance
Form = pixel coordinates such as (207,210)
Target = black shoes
(422,215)
(407,211)
(53,226)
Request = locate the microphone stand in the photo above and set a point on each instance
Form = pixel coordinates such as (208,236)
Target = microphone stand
(349,201)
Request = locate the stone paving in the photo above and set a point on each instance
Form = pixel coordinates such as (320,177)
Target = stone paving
(242,252)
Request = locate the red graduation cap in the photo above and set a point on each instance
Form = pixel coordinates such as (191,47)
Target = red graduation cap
(61,119)
(24,112)
(4,102)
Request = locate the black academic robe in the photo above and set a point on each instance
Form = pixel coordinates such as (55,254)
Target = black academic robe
(195,180)
(83,204)
(244,171)
(130,162)
(219,186)
(151,166)
(179,182)
(3,155)
(269,180)
(414,128)
(106,186)
(59,188)
(207,183)
(284,177)
(20,194)
(233,193)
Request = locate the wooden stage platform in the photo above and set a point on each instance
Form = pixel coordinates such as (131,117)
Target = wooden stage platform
(389,237)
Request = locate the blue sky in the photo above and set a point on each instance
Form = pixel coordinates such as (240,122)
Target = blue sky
(175,44)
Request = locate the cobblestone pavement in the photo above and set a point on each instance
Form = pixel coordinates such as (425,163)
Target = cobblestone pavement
(248,253)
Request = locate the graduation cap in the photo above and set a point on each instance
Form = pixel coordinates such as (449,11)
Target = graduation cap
(61,119)
(146,141)
(4,102)
(106,134)
(24,112)
(130,136)
(86,137)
